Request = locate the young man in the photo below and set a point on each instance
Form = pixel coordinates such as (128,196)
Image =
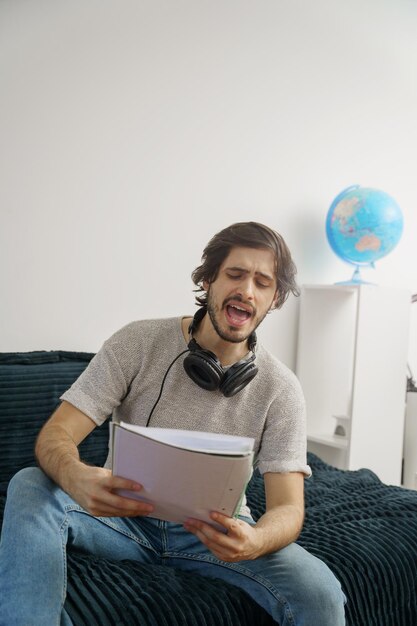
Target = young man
(224,383)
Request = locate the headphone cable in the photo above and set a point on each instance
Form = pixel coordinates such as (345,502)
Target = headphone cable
(163,383)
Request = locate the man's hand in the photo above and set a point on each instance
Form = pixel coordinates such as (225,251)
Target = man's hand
(93,488)
(279,525)
(240,542)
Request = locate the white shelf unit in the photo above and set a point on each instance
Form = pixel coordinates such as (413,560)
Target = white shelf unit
(410,442)
(352,365)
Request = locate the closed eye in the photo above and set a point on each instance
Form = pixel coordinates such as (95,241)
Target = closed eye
(259,283)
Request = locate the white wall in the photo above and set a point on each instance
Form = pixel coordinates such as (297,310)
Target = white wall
(133,130)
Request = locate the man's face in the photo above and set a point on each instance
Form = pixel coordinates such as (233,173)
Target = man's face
(243,293)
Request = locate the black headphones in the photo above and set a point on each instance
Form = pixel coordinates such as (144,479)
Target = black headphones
(205,369)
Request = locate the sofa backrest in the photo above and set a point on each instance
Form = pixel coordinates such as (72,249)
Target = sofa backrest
(31,384)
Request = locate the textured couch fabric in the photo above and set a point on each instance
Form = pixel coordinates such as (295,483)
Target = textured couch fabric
(103,593)
(364,530)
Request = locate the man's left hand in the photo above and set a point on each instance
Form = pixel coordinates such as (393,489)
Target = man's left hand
(240,542)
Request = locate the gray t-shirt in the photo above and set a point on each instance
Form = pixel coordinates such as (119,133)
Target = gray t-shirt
(123,381)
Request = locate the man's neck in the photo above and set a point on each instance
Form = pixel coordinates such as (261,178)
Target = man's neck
(208,339)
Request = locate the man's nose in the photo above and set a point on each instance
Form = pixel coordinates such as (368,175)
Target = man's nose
(246,288)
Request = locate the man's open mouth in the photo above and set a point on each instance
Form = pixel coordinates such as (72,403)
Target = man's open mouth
(237,315)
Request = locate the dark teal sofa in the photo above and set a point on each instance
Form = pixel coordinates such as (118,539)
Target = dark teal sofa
(364,530)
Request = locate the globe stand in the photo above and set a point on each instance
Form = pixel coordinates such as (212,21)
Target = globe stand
(356,276)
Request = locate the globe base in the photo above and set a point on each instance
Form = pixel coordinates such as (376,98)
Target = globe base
(356,278)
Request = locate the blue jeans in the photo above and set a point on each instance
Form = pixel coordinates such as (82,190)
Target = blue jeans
(40,519)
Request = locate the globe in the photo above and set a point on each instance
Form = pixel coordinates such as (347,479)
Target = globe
(362,226)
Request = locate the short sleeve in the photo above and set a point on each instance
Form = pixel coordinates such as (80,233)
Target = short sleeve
(100,388)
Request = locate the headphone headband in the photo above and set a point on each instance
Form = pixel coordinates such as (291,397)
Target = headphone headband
(198,316)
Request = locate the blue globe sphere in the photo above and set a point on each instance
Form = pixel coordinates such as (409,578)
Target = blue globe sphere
(363,225)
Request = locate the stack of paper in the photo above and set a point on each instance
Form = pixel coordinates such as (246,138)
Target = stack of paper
(183,473)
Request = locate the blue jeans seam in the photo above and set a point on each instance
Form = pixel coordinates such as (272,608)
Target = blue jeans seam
(62,529)
(164,535)
(106,520)
(237,568)
(134,538)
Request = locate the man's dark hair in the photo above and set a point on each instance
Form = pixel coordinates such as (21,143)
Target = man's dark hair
(247,235)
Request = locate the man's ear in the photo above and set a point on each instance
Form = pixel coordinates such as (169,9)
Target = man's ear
(206,285)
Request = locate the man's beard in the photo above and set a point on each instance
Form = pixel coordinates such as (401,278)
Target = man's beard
(230,336)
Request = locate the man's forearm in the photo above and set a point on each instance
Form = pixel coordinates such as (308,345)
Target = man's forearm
(57,454)
(279,527)
(94,488)
(57,445)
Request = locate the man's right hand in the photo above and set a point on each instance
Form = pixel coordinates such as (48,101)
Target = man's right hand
(94,489)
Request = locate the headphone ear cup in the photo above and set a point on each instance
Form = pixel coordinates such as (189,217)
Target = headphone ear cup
(204,369)
(237,377)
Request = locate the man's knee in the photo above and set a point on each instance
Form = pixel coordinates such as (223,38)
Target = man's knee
(313,589)
(25,479)
(323,594)
(26,476)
